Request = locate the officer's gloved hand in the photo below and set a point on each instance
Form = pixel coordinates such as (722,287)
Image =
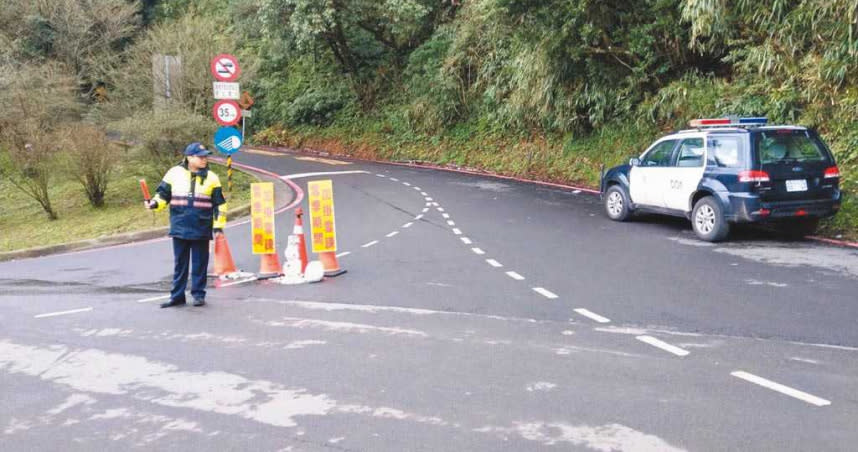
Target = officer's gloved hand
(218,231)
(151,204)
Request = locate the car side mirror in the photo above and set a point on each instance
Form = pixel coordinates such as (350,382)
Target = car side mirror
(634,162)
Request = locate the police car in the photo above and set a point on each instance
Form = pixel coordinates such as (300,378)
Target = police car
(730,170)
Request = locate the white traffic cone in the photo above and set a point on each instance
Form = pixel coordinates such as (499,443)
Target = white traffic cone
(292,268)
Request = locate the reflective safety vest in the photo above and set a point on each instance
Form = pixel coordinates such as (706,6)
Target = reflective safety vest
(196,201)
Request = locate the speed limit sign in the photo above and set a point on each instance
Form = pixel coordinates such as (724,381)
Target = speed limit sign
(226,112)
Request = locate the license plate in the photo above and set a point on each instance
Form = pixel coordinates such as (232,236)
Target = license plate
(796,185)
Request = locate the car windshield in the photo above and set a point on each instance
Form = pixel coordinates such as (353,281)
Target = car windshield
(775,146)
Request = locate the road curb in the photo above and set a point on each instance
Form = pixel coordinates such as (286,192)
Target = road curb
(478,172)
(149,234)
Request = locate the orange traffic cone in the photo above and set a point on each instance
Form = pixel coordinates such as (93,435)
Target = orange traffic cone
(269,266)
(302,245)
(330,264)
(223,263)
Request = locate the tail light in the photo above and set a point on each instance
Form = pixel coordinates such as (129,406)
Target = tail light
(832,173)
(755,176)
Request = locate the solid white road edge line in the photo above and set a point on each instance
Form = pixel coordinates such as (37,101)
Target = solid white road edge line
(592,315)
(235,283)
(801,395)
(545,293)
(662,345)
(515,276)
(324,173)
(494,263)
(367,245)
(146,300)
(54,314)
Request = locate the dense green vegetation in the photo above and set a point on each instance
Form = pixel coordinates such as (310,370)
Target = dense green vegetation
(548,89)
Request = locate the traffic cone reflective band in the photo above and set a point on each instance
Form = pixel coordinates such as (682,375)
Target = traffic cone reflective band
(330,264)
(269,266)
(223,263)
(302,245)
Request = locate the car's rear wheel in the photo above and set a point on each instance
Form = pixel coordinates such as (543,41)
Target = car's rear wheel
(707,220)
(617,203)
(797,229)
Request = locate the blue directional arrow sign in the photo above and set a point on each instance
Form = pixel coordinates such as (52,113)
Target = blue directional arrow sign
(227,140)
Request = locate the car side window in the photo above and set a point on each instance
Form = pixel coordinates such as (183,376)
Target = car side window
(660,154)
(727,151)
(690,153)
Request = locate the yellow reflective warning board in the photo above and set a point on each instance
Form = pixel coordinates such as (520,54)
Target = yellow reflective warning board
(262,217)
(322,225)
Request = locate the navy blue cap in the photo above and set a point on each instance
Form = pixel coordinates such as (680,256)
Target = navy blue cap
(196,148)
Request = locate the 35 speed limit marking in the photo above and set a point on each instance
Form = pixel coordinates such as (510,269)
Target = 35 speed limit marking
(227,112)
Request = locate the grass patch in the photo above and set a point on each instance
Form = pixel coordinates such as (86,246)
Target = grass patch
(24,224)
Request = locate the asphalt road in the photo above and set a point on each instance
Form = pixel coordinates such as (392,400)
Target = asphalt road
(476,314)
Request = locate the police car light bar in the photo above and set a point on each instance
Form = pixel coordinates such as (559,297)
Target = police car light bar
(698,123)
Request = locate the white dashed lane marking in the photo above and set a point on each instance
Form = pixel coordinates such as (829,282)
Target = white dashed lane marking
(478,251)
(466,240)
(407,225)
(457,231)
(54,314)
(394,179)
(392,234)
(425,209)
(344,253)
(445,215)
(592,315)
(419,217)
(494,263)
(367,245)
(381,175)
(451,222)
(662,345)
(545,293)
(417,188)
(515,276)
(423,193)
(406,184)
(801,395)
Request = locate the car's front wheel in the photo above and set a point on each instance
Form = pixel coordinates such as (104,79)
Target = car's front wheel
(707,220)
(617,203)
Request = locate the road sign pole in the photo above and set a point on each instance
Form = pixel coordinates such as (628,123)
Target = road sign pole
(242,130)
(229,174)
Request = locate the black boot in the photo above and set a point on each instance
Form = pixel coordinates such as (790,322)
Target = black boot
(199,302)
(171,303)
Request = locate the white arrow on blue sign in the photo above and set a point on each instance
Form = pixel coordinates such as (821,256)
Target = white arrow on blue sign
(227,140)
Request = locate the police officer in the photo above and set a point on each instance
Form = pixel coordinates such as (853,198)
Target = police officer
(197,209)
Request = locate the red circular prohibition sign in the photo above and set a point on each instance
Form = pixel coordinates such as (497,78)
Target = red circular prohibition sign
(225,68)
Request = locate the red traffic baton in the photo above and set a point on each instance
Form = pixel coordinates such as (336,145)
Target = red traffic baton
(145,189)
